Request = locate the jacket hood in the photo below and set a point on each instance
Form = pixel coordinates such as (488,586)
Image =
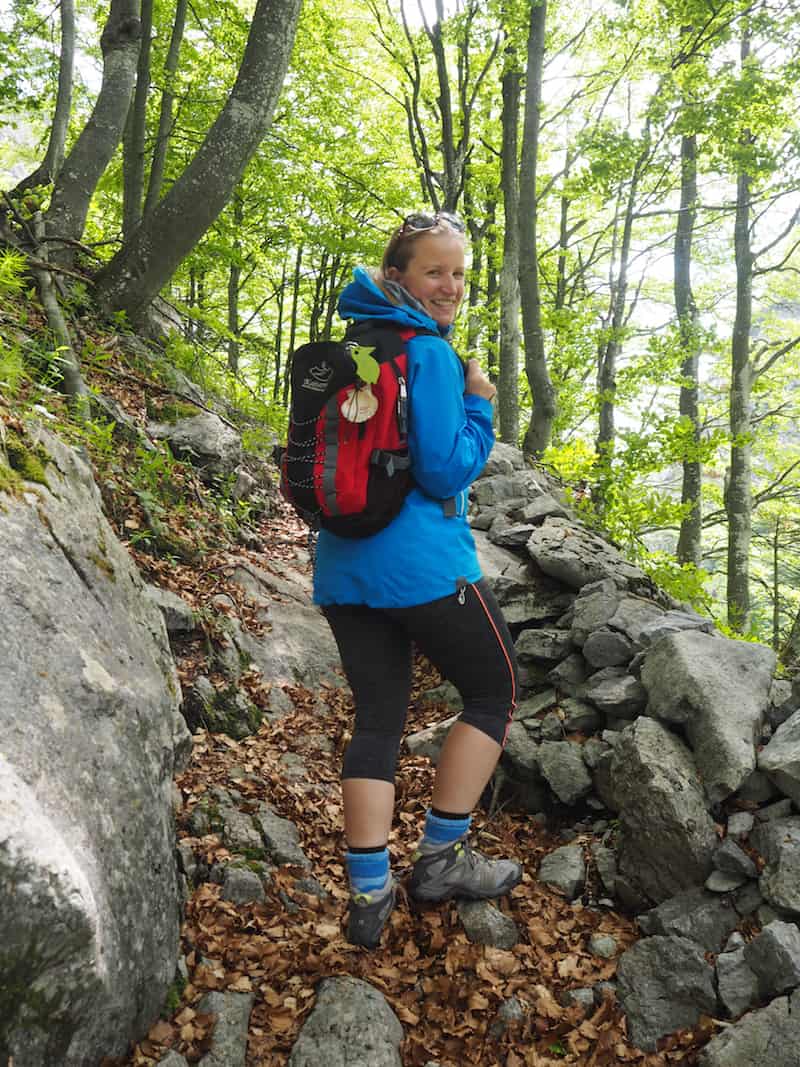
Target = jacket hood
(362,299)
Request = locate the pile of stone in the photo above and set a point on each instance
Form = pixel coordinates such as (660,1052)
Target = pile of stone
(680,747)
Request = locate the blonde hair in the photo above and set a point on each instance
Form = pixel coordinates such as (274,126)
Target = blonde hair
(400,250)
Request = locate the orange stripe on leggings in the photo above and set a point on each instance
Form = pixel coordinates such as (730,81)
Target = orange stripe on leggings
(513,707)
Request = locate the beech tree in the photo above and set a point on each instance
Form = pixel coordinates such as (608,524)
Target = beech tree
(48,169)
(90,155)
(537,434)
(146,262)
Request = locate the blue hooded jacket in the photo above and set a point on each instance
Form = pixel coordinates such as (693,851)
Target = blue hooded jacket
(422,554)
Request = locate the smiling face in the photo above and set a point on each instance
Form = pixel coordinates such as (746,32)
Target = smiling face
(435,274)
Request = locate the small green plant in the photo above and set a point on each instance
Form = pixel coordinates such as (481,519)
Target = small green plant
(173,998)
(99,437)
(13,266)
(12,370)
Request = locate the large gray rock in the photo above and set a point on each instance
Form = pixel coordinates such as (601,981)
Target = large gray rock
(562,767)
(205,441)
(694,914)
(774,958)
(576,556)
(525,594)
(778,841)
(229,1041)
(428,742)
(667,837)
(737,986)
(615,692)
(299,647)
(770,1036)
(780,759)
(351,1026)
(89,722)
(484,924)
(718,691)
(606,606)
(664,984)
(564,869)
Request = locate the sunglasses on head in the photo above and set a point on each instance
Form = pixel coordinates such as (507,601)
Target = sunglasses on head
(420,220)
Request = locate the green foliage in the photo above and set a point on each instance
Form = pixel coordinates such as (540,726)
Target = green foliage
(13,268)
(12,370)
(336,171)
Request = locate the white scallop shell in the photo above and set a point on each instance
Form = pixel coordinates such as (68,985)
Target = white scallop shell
(359,404)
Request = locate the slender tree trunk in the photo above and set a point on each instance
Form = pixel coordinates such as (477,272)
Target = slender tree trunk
(453,172)
(279,334)
(71,383)
(476,231)
(537,435)
(690,538)
(738,502)
(92,152)
(738,498)
(563,239)
(191,300)
(293,324)
(48,169)
(491,332)
(234,279)
(790,653)
(135,132)
(137,273)
(776,586)
(508,375)
(158,165)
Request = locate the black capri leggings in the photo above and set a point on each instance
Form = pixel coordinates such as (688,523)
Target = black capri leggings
(465,637)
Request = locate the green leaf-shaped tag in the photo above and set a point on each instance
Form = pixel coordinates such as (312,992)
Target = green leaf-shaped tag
(367,366)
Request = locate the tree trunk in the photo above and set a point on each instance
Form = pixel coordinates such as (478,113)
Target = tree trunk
(537,435)
(137,273)
(690,537)
(158,165)
(790,653)
(492,298)
(279,334)
(738,501)
(292,324)
(508,373)
(610,349)
(234,279)
(135,131)
(92,152)
(48,169)
(776,585)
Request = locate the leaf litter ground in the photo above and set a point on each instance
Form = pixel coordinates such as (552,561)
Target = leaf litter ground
(445,990)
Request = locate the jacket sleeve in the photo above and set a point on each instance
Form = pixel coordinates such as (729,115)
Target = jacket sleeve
(450,434)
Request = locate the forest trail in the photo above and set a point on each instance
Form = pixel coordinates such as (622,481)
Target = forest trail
(445,990)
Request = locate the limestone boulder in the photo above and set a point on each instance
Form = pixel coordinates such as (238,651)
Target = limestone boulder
(717,690)
(89,723)
(667,837)
(206,441)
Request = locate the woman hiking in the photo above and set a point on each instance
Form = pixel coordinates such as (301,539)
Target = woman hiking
(418,581)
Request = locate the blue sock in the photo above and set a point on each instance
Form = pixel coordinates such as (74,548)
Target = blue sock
(367,871)
(439,831)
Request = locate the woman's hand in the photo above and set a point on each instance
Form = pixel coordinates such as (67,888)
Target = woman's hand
(477,383)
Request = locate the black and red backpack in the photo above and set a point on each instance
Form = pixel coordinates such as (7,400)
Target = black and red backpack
(346,467)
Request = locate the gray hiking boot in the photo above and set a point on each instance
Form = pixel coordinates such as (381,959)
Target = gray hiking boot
(458,870)
(368,915)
